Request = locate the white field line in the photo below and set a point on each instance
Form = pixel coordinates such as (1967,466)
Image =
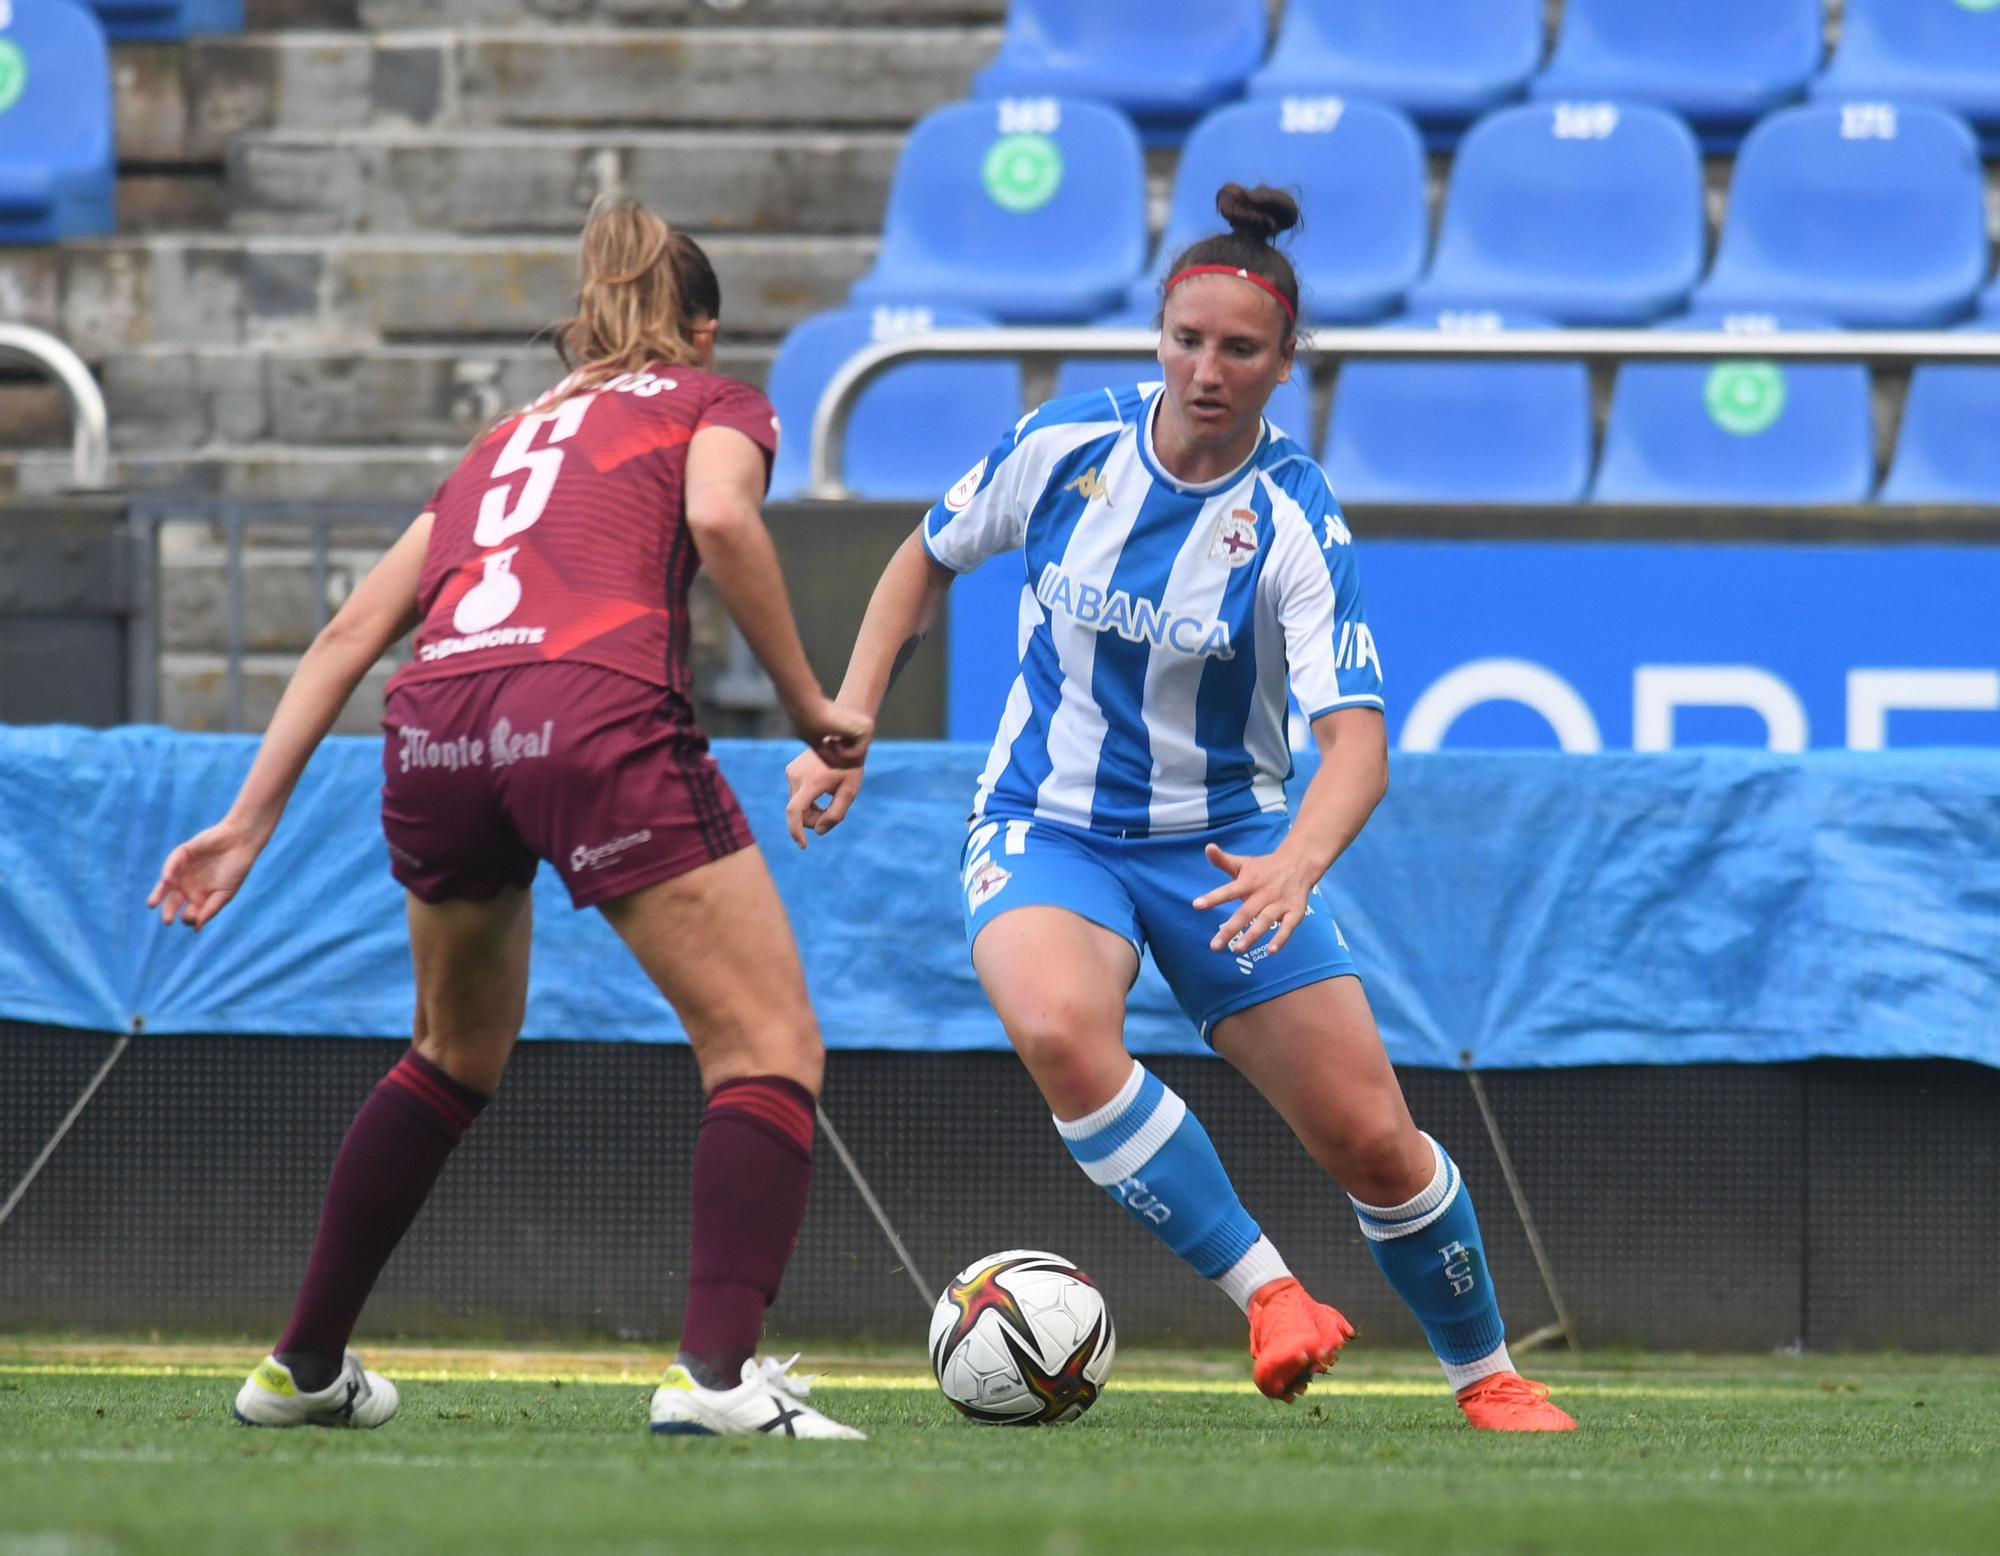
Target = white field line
(1332,1384)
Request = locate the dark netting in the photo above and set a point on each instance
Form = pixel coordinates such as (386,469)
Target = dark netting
(1698,1206)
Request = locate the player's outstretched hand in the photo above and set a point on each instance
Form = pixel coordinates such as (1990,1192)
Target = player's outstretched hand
(202,874)
(838,734)
(1270,892)
(813,779)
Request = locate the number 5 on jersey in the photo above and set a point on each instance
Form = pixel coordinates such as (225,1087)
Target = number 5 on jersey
(497,521)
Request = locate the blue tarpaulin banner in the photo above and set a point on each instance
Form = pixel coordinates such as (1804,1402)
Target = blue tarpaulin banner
(1525,908)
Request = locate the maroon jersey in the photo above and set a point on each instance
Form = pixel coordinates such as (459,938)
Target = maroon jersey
(562,535)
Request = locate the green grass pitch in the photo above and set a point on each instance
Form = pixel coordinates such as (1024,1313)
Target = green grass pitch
(130,1449)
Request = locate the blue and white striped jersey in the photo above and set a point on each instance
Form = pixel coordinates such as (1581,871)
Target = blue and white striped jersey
(1159,621)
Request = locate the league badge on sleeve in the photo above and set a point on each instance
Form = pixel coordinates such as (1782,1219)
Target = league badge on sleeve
(967,488)
(1236,541)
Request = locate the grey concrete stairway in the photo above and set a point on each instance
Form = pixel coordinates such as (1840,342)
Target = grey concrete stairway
(342,232)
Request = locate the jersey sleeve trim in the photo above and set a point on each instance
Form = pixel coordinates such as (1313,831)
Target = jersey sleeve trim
(1353,700)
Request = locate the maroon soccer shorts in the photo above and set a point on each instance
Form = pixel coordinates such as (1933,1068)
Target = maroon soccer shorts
(485,774)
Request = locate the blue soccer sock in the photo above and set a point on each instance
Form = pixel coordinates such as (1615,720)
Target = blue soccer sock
(1151,1154)
(1430,1249)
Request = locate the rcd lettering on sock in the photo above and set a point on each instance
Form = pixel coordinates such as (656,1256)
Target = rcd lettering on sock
(1141,1201)
(1458,1268)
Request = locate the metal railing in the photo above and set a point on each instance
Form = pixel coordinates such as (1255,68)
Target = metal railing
(90,438)
(1877,348)
(318,521)
(738,685)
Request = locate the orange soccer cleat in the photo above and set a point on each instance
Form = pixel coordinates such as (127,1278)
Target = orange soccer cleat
(1508,1402)
(1291,1338)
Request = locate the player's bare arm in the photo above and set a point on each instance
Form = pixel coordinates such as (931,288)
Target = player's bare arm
(1271,889)
(900,615)
(725,491)
(204,873)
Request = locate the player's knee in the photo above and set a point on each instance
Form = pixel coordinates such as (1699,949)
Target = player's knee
(1383,1163)
(787,1046)
(1069,1062)
(470,1058)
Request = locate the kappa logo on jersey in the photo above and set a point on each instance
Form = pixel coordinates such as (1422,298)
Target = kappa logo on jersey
(967,488)
(1337,533)
(1236,542)
(1136,621)
(1090,487)
(986,883)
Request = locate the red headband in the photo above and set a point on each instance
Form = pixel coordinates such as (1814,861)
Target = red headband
(1284,302)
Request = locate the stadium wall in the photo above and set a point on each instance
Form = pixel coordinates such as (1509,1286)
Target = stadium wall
(1826,1205)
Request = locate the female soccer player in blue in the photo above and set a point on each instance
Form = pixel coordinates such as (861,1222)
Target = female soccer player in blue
(1186,561)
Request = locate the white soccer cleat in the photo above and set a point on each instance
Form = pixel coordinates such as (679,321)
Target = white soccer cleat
(769,1402)
(357,1397)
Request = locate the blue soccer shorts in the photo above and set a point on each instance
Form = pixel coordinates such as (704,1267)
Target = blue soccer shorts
(1143,889)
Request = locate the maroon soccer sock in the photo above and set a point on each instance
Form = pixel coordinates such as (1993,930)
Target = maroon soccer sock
(752,1172)
(391,1157)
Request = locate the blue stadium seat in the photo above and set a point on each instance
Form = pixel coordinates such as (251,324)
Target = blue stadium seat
(1718,63)
(167,21)
(1424,431)
(1165,65)
(1290,410)
(1872,214)
(1946,451)
(1358,171)
(1738,431)
(915,429)
(1589,213)
(1943,52)
(1446,61)
(55,124)
(1031,209)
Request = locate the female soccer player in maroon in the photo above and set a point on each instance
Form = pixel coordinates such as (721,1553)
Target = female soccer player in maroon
(544,715)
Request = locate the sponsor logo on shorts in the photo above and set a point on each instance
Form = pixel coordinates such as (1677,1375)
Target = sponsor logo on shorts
(590,857)
(420,751)
(986,883)
(497,637)
(505,747)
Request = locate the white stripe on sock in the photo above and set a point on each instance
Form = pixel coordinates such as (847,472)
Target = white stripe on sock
(1142,1147)
(1383,1234)
(1090,1123)
(1257,1268)
(1425,1199)
(1460,1377)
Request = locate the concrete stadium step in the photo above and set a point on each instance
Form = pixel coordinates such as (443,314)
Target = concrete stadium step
(173,398)
(254,472)
(277,591)
(543,181)
(107,296)
(184,102)
(194,692)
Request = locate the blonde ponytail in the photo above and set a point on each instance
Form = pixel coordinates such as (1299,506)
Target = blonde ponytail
(642,289)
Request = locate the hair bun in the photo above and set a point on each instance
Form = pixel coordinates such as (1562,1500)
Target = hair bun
(1258,214)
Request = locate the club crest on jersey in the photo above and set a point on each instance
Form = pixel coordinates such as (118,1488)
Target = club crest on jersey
(986,883)
(1236,541)
(967,488)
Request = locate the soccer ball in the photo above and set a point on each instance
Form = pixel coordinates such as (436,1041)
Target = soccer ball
(1021,1339)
